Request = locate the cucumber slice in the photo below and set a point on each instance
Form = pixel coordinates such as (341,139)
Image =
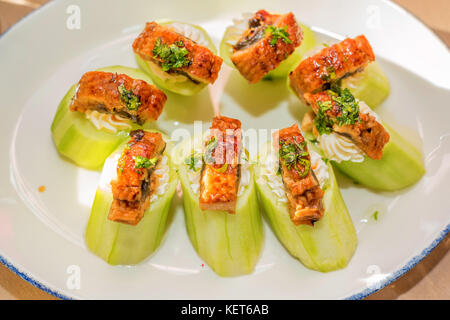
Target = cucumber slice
(329,244)
(401,166)
(123,244)
(229,243)
(308,42)
(371,85)
(77,139)
(174,82)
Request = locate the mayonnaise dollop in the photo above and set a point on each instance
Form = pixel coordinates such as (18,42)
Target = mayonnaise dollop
(107,121)
(161,173)
(270,176)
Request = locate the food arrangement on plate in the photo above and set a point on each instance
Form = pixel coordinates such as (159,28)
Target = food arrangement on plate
(107,120)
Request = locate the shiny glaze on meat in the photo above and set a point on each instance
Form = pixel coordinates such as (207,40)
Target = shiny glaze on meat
(369,135)
(304,193)
(133,187)
(331,64)
(253,55)
(218,184)
(205,65)
(98,90)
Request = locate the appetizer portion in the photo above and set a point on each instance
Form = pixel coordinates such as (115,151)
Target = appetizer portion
(221,208)
(175,61)
(355,139)
(302,187)
(339,112)
(135,182)
(303,204)
(265,45)
(331,64)
(220,173)
(118,94)
(129,214)
(96,114)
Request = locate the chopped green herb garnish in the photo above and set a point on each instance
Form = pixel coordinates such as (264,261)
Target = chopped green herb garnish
(143,162)
(325,160)
(131,100)
(193,161)
(293,154)
(348,110)
(174,56)
(278,33)
(375,215)
(212,144)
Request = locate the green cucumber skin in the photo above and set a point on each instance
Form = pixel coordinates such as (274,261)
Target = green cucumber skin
(229,243)
(77,139)
(371,85)
(122,244)
(286,66)
(329,244)
(401,166)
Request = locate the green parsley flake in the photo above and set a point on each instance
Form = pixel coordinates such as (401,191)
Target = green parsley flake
(143,162)
(293,154)
(193,161)
(348,107)
(174,56)
(131,100)
(278,33)
(375,215)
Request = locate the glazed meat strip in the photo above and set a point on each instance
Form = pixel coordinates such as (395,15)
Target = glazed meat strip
(302,187)
(220,174)
(366,132)
(201,65)
(134,184)
(269,39)
(331,64)
(118,94)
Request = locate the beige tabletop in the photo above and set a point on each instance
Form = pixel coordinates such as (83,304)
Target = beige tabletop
(430,279)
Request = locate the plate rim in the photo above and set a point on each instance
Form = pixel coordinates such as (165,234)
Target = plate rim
(356,296)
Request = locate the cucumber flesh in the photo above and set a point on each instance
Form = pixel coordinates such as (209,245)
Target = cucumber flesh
(401,166)
(77,139)
(169,82)
(308,43)
(229,243)
(371,85)
(122,244)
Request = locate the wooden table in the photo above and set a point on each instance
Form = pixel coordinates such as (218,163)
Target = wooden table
(430,279)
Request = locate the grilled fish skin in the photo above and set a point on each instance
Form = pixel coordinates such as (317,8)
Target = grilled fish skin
(302,190)
(369,135)
(204,66)
(331,64)
(220,174)
(134,185)
(254,56)
(98,90)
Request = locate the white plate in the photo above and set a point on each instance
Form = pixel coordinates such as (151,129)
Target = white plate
(41,234)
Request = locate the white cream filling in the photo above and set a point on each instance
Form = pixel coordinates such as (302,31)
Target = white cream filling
(161,173)
(190,32)
(339,148)
(107,121)
(270,176)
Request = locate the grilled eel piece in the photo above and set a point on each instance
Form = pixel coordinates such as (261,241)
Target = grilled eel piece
(203,65)
(302,187)
(220,174)
(118,94)
(258,51)
(134,184)
(367,133)
(331,64)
